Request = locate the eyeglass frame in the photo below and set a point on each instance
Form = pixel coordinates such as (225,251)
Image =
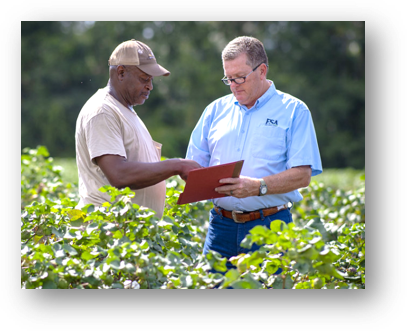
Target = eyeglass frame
(226,80)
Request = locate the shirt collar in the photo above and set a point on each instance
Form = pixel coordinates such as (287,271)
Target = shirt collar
(260,102)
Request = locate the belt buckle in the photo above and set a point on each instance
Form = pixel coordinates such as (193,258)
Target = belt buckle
(234,212)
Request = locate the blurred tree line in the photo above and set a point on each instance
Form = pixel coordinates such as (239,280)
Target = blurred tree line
(321,63)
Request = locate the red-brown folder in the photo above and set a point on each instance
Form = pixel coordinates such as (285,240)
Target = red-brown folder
(201,183)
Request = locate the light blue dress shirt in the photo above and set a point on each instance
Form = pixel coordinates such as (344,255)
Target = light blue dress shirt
(276,134)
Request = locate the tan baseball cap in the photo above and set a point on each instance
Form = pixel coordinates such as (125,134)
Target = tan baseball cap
(135,53)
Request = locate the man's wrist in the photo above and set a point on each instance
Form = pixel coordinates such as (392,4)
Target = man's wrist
(174,165)
(263,187)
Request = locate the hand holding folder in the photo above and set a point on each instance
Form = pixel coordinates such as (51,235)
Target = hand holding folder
(201,183)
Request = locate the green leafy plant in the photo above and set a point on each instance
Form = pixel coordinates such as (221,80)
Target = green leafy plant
(304,259)
(323,248)
(41,179)
(121,245)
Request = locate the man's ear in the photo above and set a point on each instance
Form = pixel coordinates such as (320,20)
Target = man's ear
(263,69)
(120,72)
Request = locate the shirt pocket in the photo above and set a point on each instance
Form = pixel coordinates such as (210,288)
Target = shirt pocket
(269,142)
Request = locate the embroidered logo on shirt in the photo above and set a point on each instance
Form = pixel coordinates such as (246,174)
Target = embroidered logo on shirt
(271,122)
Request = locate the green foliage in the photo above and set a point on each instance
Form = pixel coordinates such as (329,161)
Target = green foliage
(345,178)
(69,172)
(121,245)
(40,178)
(322,63)
(305,259)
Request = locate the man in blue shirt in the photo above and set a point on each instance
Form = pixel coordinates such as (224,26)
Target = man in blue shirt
(271,131)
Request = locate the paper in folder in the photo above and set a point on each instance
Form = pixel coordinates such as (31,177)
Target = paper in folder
(201,183)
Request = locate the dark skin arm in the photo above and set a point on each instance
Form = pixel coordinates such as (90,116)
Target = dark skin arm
(137,175)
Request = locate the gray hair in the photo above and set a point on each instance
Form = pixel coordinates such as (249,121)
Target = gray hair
(250,46)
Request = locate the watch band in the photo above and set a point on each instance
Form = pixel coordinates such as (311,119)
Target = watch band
(263,186)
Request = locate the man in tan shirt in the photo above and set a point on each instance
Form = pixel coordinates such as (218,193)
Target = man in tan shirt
(113,146)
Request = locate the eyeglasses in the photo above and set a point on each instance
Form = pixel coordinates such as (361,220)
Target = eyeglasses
(239,80)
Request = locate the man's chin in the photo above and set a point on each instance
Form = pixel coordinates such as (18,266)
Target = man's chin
(240,100)
(239,97)
(139,102)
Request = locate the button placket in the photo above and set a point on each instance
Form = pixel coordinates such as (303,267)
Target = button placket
(243,132)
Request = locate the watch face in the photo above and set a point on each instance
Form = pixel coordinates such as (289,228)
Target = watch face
(263,190)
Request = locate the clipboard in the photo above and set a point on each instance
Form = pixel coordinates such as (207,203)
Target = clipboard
(201,183)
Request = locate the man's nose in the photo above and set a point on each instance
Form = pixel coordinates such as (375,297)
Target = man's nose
(149,85)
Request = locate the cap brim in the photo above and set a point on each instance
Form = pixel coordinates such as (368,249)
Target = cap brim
(154,69)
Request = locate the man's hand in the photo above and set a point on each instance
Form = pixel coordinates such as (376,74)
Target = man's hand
(242,187)
(186,166)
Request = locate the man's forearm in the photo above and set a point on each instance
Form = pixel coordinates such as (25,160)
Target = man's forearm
(283,182)
(289,180)
(137,175)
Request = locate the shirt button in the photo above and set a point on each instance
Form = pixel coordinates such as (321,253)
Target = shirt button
(238,149)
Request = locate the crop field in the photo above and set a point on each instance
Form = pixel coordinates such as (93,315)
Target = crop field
(124,246)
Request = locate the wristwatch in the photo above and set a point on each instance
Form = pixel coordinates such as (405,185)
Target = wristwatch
(263,187)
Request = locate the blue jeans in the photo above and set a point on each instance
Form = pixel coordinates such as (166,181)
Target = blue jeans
(224,235)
